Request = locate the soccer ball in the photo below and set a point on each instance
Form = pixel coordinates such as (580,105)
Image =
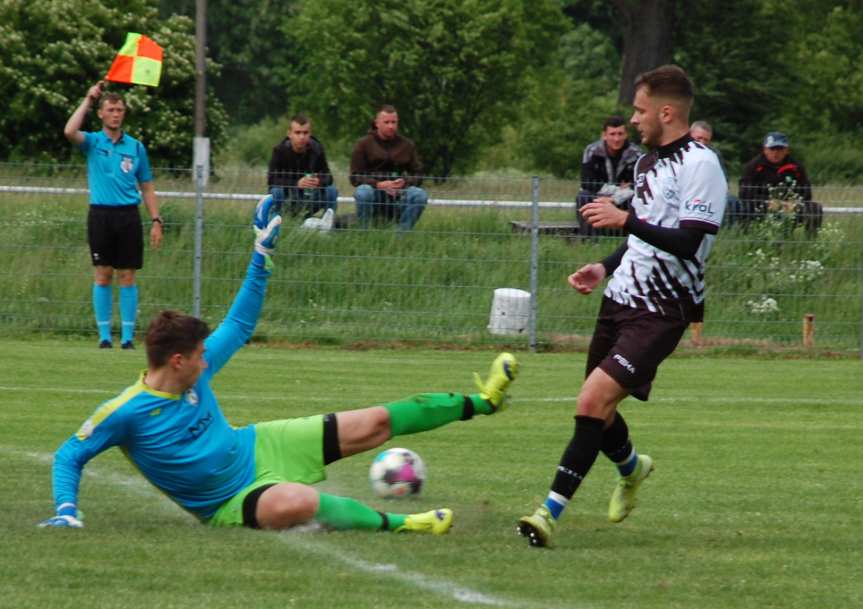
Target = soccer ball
(397,472)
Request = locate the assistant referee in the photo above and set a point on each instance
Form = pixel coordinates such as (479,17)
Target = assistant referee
(117,166)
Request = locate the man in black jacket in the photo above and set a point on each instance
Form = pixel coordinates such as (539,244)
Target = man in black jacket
(607,163)
(299,174)
(776,182)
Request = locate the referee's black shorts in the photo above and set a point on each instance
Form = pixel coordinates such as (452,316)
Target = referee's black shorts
(116,236)
(629,344)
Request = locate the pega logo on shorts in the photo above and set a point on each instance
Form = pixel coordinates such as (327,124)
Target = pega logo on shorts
(624,362)
(700,207)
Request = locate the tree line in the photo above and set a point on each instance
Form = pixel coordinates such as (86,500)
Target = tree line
(478,83)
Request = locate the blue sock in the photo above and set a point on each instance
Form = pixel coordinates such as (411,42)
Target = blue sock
(128,311)
(628,466)
(555,503)
(102,305)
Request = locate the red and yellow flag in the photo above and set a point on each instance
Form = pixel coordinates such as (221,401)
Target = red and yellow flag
(139,62)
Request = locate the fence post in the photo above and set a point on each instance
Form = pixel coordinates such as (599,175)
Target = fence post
(534,261)
(199,240)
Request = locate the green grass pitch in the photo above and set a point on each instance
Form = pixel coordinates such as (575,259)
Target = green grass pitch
(756,502)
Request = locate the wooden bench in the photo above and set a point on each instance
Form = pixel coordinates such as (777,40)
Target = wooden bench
(565,228)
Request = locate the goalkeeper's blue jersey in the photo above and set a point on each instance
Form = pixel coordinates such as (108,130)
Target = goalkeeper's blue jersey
(181,443)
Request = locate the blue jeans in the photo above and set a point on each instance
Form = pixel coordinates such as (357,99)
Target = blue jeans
(407,208)
(318,199)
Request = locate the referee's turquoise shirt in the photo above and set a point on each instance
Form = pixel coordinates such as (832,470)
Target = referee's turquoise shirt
(115,169)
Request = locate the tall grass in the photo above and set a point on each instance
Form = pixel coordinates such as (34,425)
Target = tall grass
(432,284)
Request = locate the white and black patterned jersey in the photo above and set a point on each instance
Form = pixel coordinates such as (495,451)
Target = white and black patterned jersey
(679,185)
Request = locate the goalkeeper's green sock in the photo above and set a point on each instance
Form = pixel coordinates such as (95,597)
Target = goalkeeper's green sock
(431,410)
(346,513)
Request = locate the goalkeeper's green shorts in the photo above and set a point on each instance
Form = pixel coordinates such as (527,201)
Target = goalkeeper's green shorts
(289,450)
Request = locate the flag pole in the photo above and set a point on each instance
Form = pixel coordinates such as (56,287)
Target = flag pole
(201,152)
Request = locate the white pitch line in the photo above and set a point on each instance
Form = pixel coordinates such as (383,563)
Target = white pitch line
(700,399)
(299,539)
(109,393)
(694,399)
(438,586)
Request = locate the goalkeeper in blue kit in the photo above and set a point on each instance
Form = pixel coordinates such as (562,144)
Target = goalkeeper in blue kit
(170,426)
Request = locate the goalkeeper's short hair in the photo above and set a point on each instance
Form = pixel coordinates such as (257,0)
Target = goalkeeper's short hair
(173,332)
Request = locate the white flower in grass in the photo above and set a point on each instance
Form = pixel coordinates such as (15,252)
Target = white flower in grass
(763,306)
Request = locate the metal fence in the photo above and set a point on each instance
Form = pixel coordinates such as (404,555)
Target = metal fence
(769,282)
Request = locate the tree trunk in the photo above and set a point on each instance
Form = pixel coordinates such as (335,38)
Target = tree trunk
(648,27)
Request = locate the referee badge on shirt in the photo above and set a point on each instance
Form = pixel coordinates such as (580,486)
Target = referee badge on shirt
(126,164)
(192,397)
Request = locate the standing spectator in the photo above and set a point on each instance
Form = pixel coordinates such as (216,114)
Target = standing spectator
(656,289)
(387,172)
(607,166)
(117,165)
(299,174)
(774,181)
(702,132)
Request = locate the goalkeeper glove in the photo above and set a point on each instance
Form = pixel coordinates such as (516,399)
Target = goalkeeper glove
(67,517)
(267,223)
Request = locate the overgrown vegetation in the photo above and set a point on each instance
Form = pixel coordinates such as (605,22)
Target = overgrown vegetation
(433,284)
(513,85)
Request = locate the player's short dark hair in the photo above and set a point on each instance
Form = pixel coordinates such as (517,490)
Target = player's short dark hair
(388,108)
(173,332)
(613,121)
(667,81)
(300,119)
(111,97)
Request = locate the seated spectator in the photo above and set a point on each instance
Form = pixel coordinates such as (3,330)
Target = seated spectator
(775,182)
(607,166)
(299,176)
(702,132)
(387,172)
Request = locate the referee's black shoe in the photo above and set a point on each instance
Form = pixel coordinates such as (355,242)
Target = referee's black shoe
(128,345)
(106,344)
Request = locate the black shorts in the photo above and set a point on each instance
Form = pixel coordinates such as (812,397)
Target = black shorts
(629,344)
(116,236)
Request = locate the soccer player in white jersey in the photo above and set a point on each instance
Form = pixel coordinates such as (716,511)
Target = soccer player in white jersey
(656,289)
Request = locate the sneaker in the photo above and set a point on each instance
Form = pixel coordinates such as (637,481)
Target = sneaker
(327,221)
(623,498)
(324,224)
(537,527)
(503,371)
(106,344)
(436,522)
(127,345)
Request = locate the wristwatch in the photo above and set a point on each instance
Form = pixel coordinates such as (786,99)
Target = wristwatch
(158,219)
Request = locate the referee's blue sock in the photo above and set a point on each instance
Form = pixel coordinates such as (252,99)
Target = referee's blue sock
(128,312)
(102,305)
